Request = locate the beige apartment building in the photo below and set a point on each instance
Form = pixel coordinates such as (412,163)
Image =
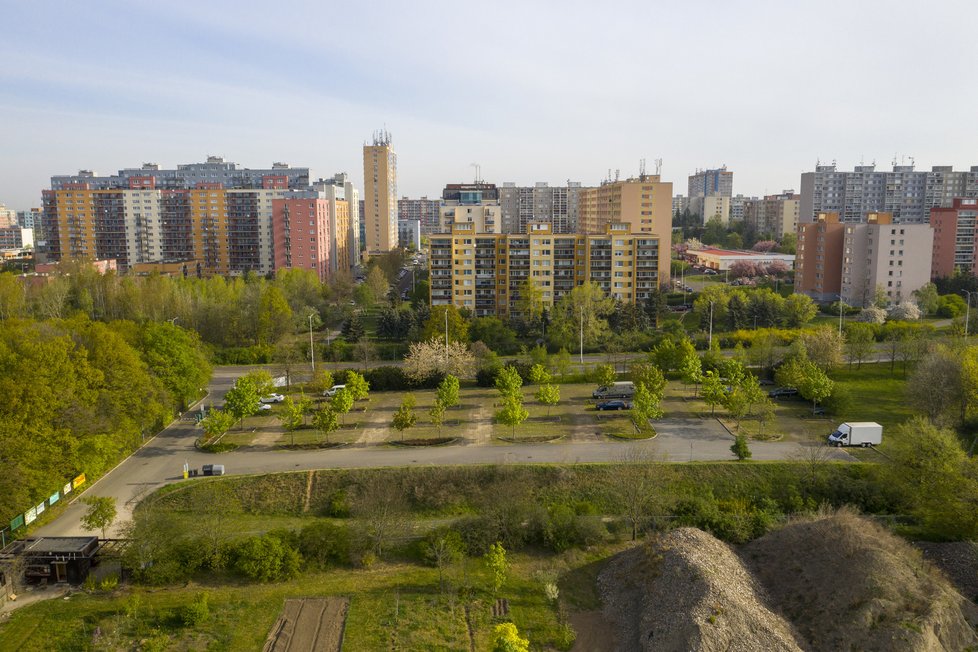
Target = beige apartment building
(484,272)
(774,215)
(894,257)
(644,203)
(380,194)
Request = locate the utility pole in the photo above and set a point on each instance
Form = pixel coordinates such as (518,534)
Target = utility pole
(312,348)
(842,311)
(711,326)
(582,339)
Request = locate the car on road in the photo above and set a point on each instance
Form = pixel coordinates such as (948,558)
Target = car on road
(614,405)
(331,392)
(264,407)
(709,271)
(272,398)
(783,392)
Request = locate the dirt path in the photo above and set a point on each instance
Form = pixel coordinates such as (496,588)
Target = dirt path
(309,625)
(480,430)
(594,633)
(265,439)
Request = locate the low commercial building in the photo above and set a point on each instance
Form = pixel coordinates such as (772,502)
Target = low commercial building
(721,259)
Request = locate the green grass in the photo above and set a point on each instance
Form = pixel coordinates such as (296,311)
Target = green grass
(877,394)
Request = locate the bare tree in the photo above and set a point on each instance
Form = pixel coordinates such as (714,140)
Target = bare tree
(381,511)
(638,485)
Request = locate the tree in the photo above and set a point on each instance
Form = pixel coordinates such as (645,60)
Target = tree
(714,390)
(377,282)
(448,391)
(799,309)
(342,401)
(649,375)
(437,415)
(274,316)
(380,511)
(216,423)
(357,385)
(442,548)
(936,388)
(293,414)
(585,307)
(646,405)
(927,298)
(497,565)
(714,231)
(506,638)
(100,515)
(816,386)
(426,359)
(549,395)
(434,327)
(605,374)
(529,302)
(824,347)
(365,351)
(244,399)
(322,381)
(353,328)
(539,374)
(176,356)
(512,413)
(859,343)
(326,421)
(561,363)
(405,417)
(492,332)
(740,448)
(509,382)
(690,368)
(906,311)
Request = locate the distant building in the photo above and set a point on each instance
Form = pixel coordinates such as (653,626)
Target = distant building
(380,194)
(540,203)
(409,234)
(475,203)
(15,237)
(710,183)
(774,215)
(896,258)
(29,219)
(424,210)
(955,238)
(679,204)
(301,231)
(8,217)
(485,271)
(905,193)
(738,205)
(344,225)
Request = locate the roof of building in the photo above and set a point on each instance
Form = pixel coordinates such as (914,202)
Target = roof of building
(713,251)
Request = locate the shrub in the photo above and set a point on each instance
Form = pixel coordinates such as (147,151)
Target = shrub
(386,379)
(266,558)
(258,354)
(196,612)
(487,377)
(324,543)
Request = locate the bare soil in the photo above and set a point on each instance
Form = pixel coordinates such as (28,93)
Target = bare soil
(309,625)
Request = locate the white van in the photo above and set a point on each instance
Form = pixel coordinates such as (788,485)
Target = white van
(331,392)
(622,389)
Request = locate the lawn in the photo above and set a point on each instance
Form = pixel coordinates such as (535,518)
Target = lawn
(877,394)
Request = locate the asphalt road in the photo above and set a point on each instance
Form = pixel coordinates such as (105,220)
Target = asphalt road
(161,460)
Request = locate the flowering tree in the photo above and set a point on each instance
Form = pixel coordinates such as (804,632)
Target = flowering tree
(764,245)
(743,268)
(425,359)
(906,310)
(778,267)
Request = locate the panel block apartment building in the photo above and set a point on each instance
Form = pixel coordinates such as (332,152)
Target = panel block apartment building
(213,218)
(483,272)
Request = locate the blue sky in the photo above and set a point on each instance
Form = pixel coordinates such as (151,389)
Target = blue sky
(532,91)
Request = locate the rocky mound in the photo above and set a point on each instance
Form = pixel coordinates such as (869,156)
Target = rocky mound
(689,591)
(847,584)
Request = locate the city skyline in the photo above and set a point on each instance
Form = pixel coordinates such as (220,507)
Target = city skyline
(116,85)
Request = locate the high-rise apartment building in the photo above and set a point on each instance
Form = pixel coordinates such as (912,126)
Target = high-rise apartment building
(738,206)
(818,258)
(29,219)
(955,238)
(301,231)
(908,195)
(679,204)
(476,203)
(214,217)
(555,205)
(774,215)
(879,253)
(344,226)
(380,194)
(424,210)
(8,217)
(484,272)
(710,183)
(644,203)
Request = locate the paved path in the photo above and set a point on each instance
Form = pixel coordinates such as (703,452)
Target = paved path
(161,460)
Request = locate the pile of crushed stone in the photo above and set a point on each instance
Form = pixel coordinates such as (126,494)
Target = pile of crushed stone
(835,582)
(689,591)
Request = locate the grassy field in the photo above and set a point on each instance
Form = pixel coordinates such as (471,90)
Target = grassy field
(393,606)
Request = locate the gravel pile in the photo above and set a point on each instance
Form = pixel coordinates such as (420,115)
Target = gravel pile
(958,560)
(689,591)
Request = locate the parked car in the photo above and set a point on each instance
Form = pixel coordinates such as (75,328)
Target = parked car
(272,398)
(331,392)
(264,407)
(764,381)
(620,389)
(709,271)
(614,405)
(818,411)
(783,392)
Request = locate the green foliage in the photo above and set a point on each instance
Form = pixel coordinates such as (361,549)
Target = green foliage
(177,358)
(323,543)
(358,387)
(434,327)
(950,306)
(495,334)
(509,382)
(714,390)
(497,565)
(585,307)
(216,423)
(512,413)
(604,374)
(646,405)
(326,421)
(539,374)
(100,514)
(548,395)
(506,638)
(437,415)
(405,417)
(196,612)
(740,448)
(342,401)
(649,375)
(448,391)
(266,559)
(244,399)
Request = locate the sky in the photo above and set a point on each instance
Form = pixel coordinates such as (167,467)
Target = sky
(531,91)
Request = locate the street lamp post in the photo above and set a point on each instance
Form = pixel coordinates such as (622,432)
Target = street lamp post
(582,338)
(967,313)
(710,345)
(842,311)
(312,348)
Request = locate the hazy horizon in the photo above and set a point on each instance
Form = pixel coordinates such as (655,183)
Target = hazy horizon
(530,92)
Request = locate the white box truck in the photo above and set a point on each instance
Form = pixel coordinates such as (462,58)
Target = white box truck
(857,433)
(622,389)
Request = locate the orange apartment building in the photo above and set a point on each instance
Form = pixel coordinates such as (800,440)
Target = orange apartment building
(818,257)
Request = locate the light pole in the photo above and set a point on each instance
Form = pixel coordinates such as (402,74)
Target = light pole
(312,348)
(967,313)
(582,338)
(446,334)
(842,311)
(710,344)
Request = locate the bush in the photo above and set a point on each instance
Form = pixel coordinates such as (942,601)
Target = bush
(258,354)
(196,612)
(487,377)
(266,558)
(385,379)
(324,543)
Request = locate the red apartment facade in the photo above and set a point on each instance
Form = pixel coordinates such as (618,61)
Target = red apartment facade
(955,238)
(300,232)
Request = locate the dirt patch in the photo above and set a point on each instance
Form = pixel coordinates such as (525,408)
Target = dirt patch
(309,625)
(848,584)
(479,430)
(958,560)
(594,632)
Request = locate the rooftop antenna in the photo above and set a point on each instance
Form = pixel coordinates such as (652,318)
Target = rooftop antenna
(617,174)
(641,169)
(658,167)
(894,160)
(478,172)
(608,178)
(912,162)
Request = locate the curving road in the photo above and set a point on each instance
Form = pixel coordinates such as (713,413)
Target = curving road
(160,461)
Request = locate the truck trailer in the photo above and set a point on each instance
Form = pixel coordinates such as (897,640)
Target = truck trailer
(857,433)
